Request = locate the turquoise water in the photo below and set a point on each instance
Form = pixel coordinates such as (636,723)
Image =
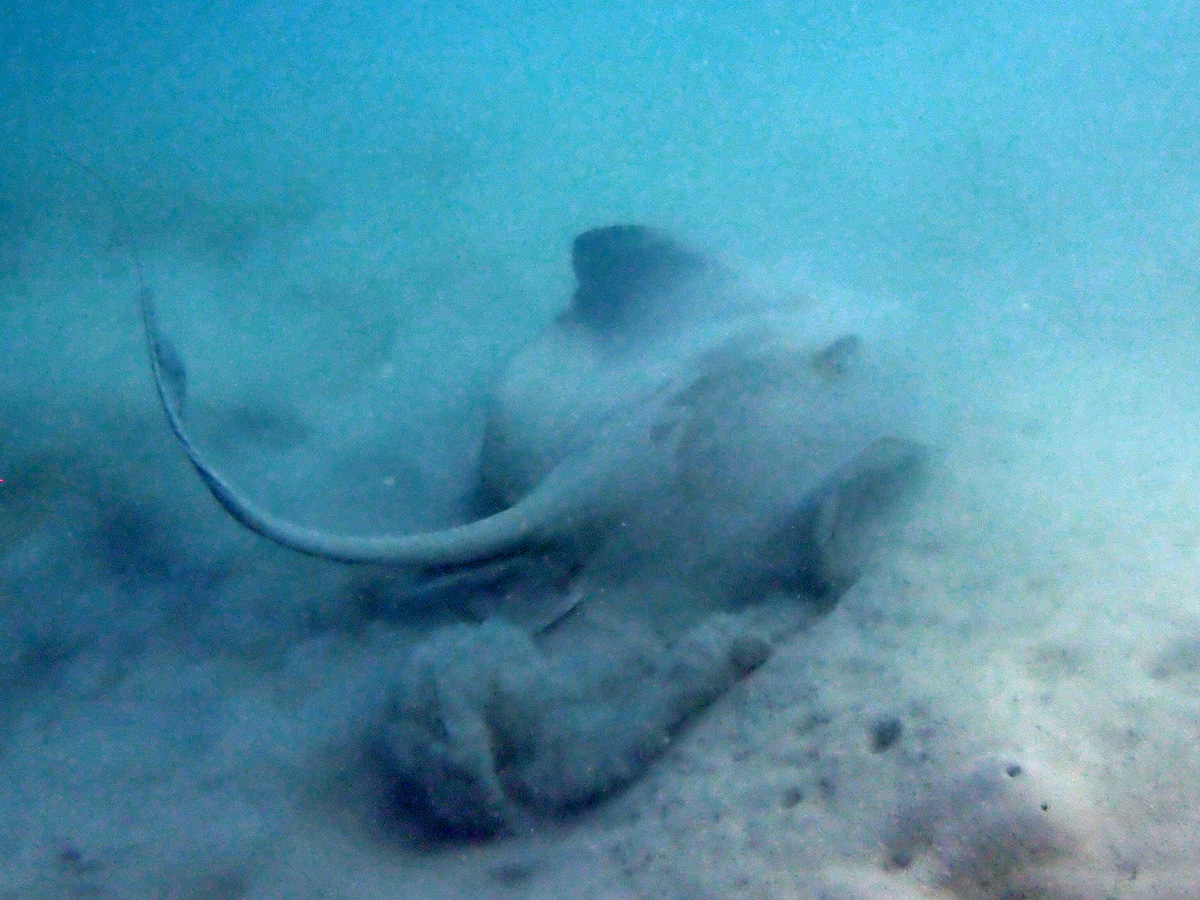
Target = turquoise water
(353,213)
(887,140)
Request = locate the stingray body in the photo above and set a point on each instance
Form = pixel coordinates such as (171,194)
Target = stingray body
(693,458)
(666,429)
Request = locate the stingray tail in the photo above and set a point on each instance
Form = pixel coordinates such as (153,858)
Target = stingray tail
(506,533)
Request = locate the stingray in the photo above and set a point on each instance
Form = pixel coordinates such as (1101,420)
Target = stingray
(668,428)
(691,458)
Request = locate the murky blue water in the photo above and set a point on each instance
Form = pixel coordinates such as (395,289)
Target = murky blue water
(352,213)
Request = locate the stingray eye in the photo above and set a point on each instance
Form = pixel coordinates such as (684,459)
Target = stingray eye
(833,360)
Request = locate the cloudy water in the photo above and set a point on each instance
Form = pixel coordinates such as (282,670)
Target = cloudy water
(975,227)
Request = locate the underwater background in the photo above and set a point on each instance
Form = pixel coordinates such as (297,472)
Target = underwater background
(353,213)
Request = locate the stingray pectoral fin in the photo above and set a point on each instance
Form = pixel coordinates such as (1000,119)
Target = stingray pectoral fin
(521,526)
(623,271)
(867,485)
(856,494)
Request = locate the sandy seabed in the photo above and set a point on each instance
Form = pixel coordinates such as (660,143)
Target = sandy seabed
(1006,705)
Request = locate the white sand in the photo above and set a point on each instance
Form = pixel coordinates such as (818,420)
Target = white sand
(1033,627)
